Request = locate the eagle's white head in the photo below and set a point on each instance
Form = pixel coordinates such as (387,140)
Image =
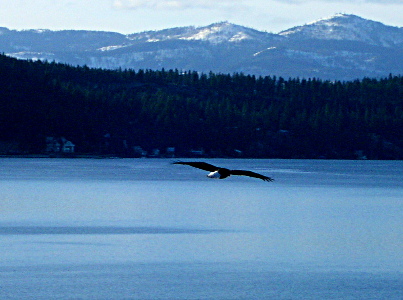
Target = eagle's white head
(214,174)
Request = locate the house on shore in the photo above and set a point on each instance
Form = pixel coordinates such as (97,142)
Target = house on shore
(59,145)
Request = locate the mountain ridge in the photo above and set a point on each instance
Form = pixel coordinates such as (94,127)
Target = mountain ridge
(339,47)
(347,27)
(215,33)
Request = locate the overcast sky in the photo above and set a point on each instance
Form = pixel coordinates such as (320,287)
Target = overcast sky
(130,16)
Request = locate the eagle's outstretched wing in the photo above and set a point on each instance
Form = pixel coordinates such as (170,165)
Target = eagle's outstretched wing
(251,174)
(199,165)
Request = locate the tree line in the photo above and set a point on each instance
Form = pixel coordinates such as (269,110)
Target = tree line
(112,111)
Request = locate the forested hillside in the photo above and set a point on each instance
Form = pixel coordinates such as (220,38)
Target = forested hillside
(112,112)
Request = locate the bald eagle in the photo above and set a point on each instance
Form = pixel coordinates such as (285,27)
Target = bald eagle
(221,173)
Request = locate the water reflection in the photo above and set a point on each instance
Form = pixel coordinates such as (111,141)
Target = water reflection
(104,230)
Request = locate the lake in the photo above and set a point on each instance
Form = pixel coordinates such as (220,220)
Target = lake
(147,229)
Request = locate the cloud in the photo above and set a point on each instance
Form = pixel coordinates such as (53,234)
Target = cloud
(174,4)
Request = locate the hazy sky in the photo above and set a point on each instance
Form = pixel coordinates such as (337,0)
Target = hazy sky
(129,16)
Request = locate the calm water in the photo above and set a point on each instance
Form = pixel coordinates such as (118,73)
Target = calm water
(146,229)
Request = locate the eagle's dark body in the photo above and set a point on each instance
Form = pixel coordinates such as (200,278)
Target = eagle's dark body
(221,173)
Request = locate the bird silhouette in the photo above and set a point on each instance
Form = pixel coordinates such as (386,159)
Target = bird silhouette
(221,173)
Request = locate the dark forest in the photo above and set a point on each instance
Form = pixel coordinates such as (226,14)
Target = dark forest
(117,112)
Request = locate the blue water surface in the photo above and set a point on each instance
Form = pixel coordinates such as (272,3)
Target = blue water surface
(147,229)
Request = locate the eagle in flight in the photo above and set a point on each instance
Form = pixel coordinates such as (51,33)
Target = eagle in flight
(221,173)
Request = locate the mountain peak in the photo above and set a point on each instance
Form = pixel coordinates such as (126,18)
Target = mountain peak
(220,32)
(348,27)
(340,18)
(215,33)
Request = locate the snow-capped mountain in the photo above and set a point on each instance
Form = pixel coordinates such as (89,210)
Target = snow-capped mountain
(215,34)
(345,27)
(339,47)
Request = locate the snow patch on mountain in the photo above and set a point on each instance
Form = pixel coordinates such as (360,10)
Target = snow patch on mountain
(41,31)
(35,56)
(111,48)
(263,51)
